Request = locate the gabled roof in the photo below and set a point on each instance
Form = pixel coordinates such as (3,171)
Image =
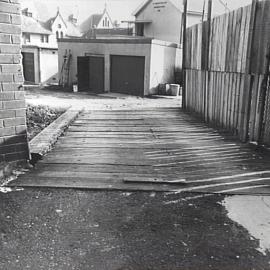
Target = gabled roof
(141,7)
(48,24)
(30,25)
(94,19)
(73,30)
(89,23)
(194,6)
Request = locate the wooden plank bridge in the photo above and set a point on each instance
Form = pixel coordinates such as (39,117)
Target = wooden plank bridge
(150,150)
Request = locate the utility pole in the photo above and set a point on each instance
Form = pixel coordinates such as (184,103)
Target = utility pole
(209,14)
(184,25)
(203,11)
(209,18)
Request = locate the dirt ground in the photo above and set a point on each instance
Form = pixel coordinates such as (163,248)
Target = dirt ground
(110,101)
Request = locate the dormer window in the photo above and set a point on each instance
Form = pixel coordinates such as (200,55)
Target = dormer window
(44,38)
(57,34)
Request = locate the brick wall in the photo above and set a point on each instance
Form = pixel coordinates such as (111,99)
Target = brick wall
(13,138)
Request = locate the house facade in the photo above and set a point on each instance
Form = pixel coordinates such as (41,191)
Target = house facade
(162,19)
(39,51)
(61,27)
(40,45)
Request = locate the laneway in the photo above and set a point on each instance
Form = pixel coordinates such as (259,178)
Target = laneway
(139,189)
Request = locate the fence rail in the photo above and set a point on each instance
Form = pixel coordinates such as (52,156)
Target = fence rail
(224,81)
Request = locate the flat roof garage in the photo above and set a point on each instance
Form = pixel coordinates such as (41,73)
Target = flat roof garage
(132,66)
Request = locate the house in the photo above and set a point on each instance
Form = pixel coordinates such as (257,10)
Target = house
(40,46)
(63,28)
(98,21)
(162,19)
(129,65)
(39,51)
(101,25)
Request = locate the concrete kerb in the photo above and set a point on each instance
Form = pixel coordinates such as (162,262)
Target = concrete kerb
(44,141)
(39,146)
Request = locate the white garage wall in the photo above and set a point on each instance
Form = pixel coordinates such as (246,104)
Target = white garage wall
(49,66)
(163,60)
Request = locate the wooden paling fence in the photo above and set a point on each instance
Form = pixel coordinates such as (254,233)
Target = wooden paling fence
(226,71)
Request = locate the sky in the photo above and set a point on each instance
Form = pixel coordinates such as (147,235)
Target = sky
(118,9)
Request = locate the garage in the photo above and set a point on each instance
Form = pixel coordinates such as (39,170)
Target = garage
(127,74)
(132,65)
(28,67)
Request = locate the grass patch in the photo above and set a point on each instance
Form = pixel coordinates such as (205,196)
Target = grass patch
(39,117)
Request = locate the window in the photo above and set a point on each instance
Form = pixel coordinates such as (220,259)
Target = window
(59,26)
(26,37)
(44,38)
(57,34)
(106,22)
(62,35)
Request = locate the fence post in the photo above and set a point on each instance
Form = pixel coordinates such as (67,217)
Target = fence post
(244,128)
(262,98)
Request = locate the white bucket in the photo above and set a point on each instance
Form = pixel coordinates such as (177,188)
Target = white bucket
(75,88)
(175,89)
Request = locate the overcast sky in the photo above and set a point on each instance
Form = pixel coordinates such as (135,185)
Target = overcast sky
(119,9)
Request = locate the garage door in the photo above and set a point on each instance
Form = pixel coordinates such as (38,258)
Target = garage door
(83,73)
(127,74)
(28,67)
(91,73)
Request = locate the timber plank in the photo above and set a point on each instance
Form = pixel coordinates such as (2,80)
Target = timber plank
(115,160)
